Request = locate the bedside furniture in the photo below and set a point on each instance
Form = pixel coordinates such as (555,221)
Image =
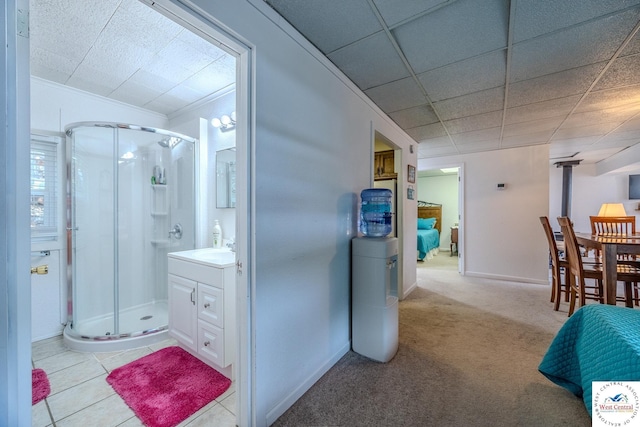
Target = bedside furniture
(454,240)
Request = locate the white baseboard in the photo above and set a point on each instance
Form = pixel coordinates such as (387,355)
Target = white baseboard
(507,278)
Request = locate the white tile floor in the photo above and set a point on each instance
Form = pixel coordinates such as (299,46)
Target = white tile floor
(80,395)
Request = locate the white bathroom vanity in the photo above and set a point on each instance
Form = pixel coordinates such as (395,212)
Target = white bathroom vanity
(202,305)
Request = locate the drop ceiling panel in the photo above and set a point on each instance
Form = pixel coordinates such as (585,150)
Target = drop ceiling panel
(553,86)
(631,125)
(596,100)
(394,12)
(536,17)
(599,129)
(135,94)
(468,76)
(623,72)
(220,73)
(611,115)
(463,29)
(421,133)
(360,61)
(468,105)
(535,138)
(330,28)
(533,126)
(398,95)
(414,117)
(492,135)
(472,123)
(479,146)
(51,66)
(575,47)
(559,108)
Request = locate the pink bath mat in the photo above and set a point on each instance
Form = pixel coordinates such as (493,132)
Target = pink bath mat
(40,387)
(166,387)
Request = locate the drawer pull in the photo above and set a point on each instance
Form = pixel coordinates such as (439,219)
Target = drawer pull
(207,343)
(207,305)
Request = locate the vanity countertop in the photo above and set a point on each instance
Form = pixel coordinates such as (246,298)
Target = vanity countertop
(219,258)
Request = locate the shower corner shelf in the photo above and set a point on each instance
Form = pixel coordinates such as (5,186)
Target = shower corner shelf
(158,186)
(160,241)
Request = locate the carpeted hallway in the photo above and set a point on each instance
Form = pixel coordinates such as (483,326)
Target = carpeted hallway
(468,356)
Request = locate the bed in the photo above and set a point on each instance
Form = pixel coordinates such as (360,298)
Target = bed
(429,229)
(597,343)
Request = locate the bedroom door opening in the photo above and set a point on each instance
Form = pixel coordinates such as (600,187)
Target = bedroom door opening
(443,187)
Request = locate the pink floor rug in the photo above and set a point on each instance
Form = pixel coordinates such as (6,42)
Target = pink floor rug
(40,387)
(166,387)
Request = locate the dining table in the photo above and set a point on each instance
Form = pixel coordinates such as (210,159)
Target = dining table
(610,246)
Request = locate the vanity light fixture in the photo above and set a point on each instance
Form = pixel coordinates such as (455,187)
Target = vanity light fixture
(225,123)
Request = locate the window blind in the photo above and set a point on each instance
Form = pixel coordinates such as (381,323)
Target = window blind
(44,194)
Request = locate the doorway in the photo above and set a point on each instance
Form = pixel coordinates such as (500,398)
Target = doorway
(443,186)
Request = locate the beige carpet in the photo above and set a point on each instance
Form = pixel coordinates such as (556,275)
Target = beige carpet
(468,356)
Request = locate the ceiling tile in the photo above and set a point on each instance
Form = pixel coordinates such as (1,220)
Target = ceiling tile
(473,123)
(393,11)
(166,69)
(609,98)
(474,137)
(414,117)
(398,95)
(624,71)
(536,138)
(370,62)
(631,125)
(633,47)
(421,133)
(577,46)
(598,129)
(479,146)
(560,108)
(93,80)
(135,94)
(219,74)
(471,75)
(553,86)
(330,28)
(616,115)
(468,105)
(50,66)
(533,126)
(536,17)
(461,30)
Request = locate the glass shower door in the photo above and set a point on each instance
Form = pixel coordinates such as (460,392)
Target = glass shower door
(91,230)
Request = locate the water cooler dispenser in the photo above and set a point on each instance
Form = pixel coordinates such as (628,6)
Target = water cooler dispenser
(374,291)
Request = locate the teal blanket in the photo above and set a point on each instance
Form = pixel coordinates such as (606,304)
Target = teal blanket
(427,240)
(598,343)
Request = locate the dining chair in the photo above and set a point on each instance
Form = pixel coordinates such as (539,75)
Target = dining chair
(580,272)
(614,225)
(558,264)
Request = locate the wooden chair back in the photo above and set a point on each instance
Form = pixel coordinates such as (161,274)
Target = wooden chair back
(613,224)
(571,247)
(556,263)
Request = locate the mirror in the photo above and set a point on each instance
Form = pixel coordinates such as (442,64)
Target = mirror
(226,178)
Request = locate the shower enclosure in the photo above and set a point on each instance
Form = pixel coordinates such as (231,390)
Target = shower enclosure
(130,201)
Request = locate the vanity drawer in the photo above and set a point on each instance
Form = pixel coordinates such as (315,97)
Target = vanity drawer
(211,343)
(211,305)
(198,272)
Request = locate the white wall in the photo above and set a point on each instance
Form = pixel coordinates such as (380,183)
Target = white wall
(54,106)
(442,190)
(502,236)
(589,192)
(313,153)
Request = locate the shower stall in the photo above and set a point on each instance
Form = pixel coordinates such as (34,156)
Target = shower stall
(130,201)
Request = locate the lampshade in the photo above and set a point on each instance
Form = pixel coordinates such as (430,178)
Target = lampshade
(612,209)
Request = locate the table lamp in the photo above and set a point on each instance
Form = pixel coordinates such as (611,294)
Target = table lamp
(612,209)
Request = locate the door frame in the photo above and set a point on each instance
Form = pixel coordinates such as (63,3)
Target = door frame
(191,17)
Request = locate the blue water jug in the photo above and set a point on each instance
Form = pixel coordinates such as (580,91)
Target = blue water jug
(375,212)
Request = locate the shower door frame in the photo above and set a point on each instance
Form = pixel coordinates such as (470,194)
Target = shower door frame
(71,222)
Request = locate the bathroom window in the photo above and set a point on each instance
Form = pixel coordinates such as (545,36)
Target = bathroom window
(44,194)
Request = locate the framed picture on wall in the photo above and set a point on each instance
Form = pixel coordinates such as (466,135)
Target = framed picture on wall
(412,174)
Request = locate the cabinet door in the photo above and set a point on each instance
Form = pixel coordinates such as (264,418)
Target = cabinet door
(211,343)
(182,311)
(211,305)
